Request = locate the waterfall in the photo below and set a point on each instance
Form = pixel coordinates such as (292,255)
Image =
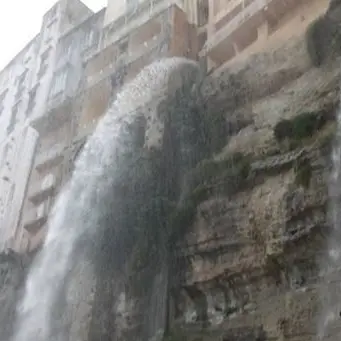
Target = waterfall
(83,205)
(330,267)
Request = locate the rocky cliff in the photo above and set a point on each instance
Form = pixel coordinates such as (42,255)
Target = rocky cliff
(249,259)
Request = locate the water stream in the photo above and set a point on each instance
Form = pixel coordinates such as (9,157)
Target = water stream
(330,267)
(82,206)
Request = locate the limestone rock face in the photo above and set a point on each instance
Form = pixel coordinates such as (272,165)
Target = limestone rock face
(251,259)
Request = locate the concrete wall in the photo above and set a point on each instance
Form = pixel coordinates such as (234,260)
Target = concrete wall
(184,42)
(28,83)
(114,10)
(46,58)
(73,13)
(268,29)
(95,103)
(22,175)
(15,84)
(292,24)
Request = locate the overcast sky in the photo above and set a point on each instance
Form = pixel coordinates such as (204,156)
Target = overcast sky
(20,21)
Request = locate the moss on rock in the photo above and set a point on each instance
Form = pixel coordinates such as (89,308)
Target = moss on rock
(303,173)
(300,127)
(282,130)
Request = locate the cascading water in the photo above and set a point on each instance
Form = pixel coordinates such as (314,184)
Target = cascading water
(82,206)
(330,267)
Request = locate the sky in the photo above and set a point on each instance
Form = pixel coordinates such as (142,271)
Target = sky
(20,21)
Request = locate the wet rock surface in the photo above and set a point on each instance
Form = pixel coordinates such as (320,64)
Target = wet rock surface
(251,260)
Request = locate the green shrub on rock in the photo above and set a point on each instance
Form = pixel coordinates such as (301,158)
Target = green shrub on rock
(282,130)
(300,127)
(306,124)
(274,267)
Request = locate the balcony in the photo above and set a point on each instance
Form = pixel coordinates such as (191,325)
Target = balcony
(276,9)
(53,118)
(57,100)
(128,58)
(33,221)
(42,191)
(132,20)
(99,76)
(233,33)
(221,43)
(50,158)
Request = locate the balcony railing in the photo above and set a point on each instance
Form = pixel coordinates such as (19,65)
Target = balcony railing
(220,8)
(50,157)
(58,100)
(100,75)
(132,19)
(33,222)
(39,193)
(248,12)
(125,59)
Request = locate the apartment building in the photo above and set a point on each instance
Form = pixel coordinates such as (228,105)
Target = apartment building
(55,90)
(25,85)
(80,61)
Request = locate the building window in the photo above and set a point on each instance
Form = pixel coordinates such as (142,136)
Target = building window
(27,59)
(59,83)
(68,51)
(32,98)
(11,194)
(21,85)
(2,100)
(123,46)
(89,39)
(43,63)
(4,155)
(203,12)
(202,40)
(78,152)
(13,117)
